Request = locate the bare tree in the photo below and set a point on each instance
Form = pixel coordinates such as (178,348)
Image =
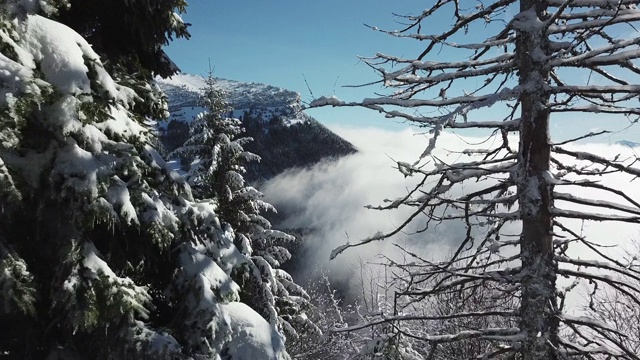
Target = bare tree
(332,310)
(537,64)
(619,311)
(403,327)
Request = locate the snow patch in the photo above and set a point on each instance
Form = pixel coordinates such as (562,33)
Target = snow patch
(252,336)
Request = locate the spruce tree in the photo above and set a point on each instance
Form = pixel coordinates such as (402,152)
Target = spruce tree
(218,164)
(104,251)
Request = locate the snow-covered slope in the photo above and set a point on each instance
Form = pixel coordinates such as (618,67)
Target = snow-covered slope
(284,136)
(264,100)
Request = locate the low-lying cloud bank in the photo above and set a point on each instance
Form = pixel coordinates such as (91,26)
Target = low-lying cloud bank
(330,199)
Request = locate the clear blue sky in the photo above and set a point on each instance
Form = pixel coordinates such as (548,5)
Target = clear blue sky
(280,42)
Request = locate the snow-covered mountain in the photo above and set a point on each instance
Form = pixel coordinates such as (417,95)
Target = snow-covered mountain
(284,136)
(269,101)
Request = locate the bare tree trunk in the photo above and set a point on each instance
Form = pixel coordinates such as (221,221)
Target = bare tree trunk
(539,321)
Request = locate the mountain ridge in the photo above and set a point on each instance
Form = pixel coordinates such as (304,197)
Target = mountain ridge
(284,136)
(184,90)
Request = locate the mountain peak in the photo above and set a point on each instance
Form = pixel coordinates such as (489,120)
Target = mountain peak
(283,136)
(184,90)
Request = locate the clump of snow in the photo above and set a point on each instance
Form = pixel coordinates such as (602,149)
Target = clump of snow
(528,21)
(252,337)
(122,124)
(161,345)
(335,252)
(13,75)
(217,281)
(80,171)
(60,52)
(63,56)
(326,100)
(158,213)
(118,194)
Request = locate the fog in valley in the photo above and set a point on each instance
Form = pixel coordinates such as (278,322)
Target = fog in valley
(329,200)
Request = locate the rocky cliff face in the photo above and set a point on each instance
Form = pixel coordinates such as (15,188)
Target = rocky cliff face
(284,136)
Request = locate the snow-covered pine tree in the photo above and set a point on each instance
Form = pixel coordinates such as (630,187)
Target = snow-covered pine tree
(218,159)
(531,62)
(104,252)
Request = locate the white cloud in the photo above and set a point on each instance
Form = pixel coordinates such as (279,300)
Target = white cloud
(330,199)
